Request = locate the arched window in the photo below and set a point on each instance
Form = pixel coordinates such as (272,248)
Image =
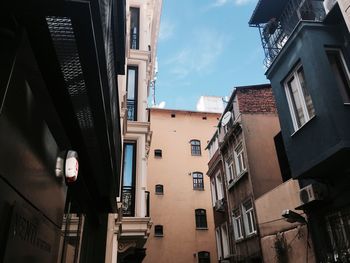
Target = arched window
(198,182)
(195,147)
(201,218)
(158,230)
(203,257)
(159,189)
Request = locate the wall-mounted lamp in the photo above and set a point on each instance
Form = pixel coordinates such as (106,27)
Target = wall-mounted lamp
(292,217)
(67,165)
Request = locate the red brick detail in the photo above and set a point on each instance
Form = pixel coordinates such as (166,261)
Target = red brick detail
(256,100)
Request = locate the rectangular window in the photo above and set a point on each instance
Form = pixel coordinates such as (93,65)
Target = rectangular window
(213,191)
(219,186)
(299,99)
(338,225)
(158,230)
(158,153)
(218,242)
(198,183)
(201,219)
(341,72)
(129,175)
(225,244)
(195,147)
(132,84)
(229,168)
(134,27)
(249,219)
(240,160)
(237,224)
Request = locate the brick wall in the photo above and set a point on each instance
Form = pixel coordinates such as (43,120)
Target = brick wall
(256,99)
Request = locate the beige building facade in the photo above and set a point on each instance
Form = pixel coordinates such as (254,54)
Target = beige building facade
(181,211)
(128,231)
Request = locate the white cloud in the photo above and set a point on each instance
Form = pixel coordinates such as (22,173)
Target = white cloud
(201,52)
(167,30)
(221,3)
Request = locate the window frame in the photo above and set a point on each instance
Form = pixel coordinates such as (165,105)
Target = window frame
(294,75)
(201,219)
(219,242)
(135,68)
(160,232)
(203,257)
(230,169)
(344,88)
(137,47)
(237,224)
(158,153)
(249,218)
(132,187)
(158,187)
(240,160)
(198,183)
(196,147)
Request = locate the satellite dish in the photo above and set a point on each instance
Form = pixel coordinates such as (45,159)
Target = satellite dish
(226,118)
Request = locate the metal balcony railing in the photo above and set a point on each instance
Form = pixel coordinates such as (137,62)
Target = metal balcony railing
(275,33)
(131,105)
(128,198)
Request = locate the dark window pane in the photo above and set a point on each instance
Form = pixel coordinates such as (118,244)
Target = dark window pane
(203,257)
(157,153)
(128,195)
(159,189)
(196,147)
(198,183)
(158,230)
(134,27)
(132,82)
(201,218)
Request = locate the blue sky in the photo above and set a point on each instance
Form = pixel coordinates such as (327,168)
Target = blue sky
(206,47)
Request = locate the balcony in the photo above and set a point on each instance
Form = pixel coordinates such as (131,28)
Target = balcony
(131,105)
(276,22)
(128,201)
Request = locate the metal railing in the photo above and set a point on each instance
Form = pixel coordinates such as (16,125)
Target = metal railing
(128,198)
(131,105)
(275,33)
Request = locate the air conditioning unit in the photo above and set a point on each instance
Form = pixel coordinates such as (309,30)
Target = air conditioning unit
(312,192)
(220,205)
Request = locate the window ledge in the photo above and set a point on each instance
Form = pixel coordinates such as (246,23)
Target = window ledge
(201,228)
(297,131)
(158,235)
(159,193)
(347,104)
(198,189)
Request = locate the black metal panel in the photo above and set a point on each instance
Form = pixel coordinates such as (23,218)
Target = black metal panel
(28,150)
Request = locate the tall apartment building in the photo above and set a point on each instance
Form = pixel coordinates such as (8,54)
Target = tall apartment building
(133,228)
(60,133)
(307,50)
(183,229)
(244,141)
